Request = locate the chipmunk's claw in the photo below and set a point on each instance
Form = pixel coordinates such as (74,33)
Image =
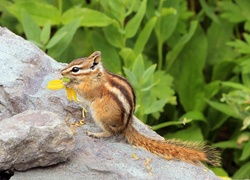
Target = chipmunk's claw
(84,110)
(99,134)
(91,134)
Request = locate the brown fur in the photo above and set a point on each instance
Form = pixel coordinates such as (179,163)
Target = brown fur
(173,149)
(112,103)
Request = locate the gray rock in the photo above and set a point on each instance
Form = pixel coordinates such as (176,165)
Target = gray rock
(23,86)
(25,71)
(34,138)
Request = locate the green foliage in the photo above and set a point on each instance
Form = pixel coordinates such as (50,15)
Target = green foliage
(151,98)
(188,61)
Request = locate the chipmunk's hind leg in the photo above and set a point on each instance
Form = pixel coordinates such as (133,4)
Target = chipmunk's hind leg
(107,132)
(108,117)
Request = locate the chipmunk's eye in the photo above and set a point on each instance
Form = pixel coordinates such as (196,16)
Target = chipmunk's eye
(75,69)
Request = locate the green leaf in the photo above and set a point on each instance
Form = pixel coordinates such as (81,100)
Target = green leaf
(110,56)
(220,172)
(114,9)
(37,43)
(31,29)
(144,35)
(163,88)
(65,79)
(41,12)
(114,36)
(243,172)
(241,46)
(218,35)
(235,86)
(133,25)
(232,11)
(55,39)
(245,65)
(246,79)
(247,26)
(148,74)
(131,77)
(247,38)
(156,106)
(245,153)
(194,115)
(149,87)
(190,134)
(212,89)
(138,67)
(188,72)
(167,21)
(173,54)
(70,29)
(128,56)
(223,70)
(209,11)
(246,123)
(45,33)
(89,17)
(224,108)
(226,144)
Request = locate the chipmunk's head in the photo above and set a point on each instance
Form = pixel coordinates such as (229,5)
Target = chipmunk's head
(83,69)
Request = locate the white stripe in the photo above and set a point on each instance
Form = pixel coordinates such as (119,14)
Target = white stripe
(99,66)
(120,96)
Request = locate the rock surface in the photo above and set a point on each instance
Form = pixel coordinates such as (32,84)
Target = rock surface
(25,71)
(34,138)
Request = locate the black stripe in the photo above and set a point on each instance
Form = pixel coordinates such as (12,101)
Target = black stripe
(126,94)
(120,105)
(124,90)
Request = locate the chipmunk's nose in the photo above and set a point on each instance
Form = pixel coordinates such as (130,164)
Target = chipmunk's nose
(63,73)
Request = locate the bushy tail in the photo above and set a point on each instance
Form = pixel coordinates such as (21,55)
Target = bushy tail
(174,149)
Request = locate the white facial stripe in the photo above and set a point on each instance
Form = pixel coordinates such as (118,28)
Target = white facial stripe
(82,71)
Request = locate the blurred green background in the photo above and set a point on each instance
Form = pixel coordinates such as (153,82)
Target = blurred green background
(188,60)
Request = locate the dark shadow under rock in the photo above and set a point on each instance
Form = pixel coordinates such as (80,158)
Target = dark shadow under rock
(6,175)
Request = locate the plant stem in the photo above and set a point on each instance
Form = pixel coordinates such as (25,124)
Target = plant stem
(159,49)
(169,123)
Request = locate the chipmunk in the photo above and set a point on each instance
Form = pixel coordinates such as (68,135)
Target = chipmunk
(112,103)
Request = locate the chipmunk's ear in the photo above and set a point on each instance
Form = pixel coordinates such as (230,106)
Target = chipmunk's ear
(95,59)
(96,56)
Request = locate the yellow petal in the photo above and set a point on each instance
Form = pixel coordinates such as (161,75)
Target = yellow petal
(55,81)
(71,94)
(134,156)
(55,84)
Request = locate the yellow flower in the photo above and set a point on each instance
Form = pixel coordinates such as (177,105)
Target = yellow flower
(57,84)
(71,94)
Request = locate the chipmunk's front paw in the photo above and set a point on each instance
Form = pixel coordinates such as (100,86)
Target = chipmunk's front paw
(98,135)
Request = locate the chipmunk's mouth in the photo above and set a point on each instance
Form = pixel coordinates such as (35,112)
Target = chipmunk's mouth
(67,82)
